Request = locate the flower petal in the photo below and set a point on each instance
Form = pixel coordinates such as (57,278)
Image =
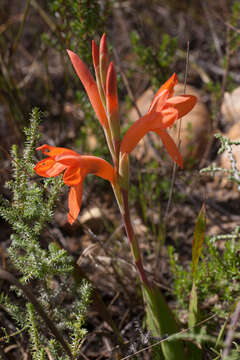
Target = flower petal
(168,85)
(135,133)
(53,150)
(165,118)
(48,168)
(69,159)
(159,101)
(97,166)
(74,202)
(73,176)
(183,103)
(90,86)
(80,165)
(170,146)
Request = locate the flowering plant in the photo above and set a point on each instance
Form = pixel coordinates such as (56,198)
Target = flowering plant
(164,110)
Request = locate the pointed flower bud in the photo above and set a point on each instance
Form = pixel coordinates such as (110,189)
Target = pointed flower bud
(112,106)
(95,55)
(103,60)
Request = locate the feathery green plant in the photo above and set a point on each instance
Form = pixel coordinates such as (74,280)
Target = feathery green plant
(30,209)
(233,173)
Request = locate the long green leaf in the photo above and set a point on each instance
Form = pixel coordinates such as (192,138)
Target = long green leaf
(161,321)
(198,238)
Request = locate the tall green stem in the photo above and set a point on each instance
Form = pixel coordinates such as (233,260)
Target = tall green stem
(132,240)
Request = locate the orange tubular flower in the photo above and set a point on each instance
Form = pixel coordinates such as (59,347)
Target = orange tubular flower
(164,110)
(76,168)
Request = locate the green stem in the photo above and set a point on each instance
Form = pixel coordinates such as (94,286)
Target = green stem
(133,240)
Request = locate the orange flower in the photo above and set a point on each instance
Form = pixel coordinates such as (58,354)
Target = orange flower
(164,110)
(76,168)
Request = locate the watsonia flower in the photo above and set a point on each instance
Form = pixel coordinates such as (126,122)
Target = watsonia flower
(164,110)
(75,168)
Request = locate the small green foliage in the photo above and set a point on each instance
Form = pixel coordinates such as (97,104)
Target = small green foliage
(31,207)
(218,274)
(37,351)
(182,279)
(81,304)
(15,311)
(77,22)
(233,173)
(217,280)
(155,62)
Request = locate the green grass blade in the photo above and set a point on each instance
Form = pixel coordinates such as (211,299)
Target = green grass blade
(198,238)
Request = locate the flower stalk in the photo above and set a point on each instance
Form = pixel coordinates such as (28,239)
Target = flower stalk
(164,110)
(133,242)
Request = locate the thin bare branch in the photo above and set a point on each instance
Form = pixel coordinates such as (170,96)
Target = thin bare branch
(230,333)
(174,171)
(212,29)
